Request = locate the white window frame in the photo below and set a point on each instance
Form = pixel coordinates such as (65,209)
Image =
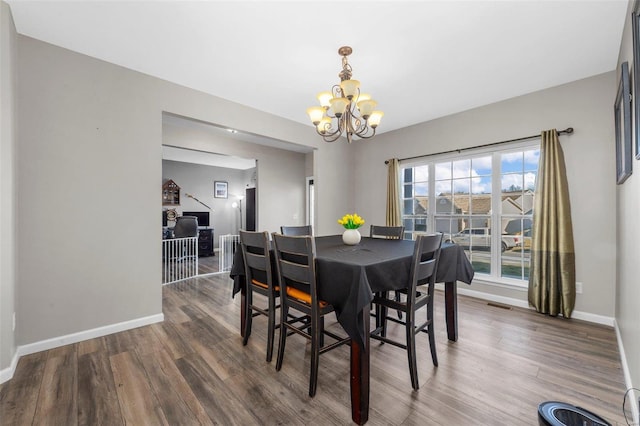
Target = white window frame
(496,194)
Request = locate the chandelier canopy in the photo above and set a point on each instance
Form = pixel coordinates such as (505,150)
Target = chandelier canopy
(345,109)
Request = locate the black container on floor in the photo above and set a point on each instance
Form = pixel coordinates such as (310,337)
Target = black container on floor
(554,413)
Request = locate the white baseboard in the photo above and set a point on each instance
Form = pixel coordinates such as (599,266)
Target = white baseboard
(627,377)
(597,319)
(7,373)
(584,316)
(80,336)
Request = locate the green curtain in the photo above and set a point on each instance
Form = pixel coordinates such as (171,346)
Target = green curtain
(393,194)
(552,276)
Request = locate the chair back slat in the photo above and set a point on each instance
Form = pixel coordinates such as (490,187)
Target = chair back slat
(425,270)
(425,259)
(295,272)
(389,232)
(255,252)
(296,263)
(296,231)
(255,261)
(299,246)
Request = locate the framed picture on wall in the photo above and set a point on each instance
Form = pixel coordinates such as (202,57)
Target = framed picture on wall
(220,189)
(622,112)
(635,26)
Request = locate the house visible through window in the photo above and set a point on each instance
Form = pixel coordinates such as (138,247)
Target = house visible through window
(467,196)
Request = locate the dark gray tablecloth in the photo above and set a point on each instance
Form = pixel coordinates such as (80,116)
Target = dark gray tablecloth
(349,275)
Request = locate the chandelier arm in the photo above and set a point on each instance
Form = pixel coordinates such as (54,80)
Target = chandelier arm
(349,117)
(332,137)
(342,123)
(329,137)
(369,136)
(359,124)
(358,127)
(363,128)
(329,114)
(326,130)
(337,91)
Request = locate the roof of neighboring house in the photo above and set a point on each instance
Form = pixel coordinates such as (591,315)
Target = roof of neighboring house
(480,203)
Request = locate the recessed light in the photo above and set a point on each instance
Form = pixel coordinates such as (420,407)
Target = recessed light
(232,131)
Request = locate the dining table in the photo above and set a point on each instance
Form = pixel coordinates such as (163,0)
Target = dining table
(347,278)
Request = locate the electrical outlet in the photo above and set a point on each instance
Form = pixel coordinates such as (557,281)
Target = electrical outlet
(578,287)
(14,321)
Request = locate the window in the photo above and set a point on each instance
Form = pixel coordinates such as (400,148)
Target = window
(466,196)
(518,172)
(415,199)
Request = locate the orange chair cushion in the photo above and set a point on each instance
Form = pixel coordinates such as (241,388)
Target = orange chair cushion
(263,285)
(303,296)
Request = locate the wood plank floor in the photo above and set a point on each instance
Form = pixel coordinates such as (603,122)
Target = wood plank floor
(193,369)
(208,264)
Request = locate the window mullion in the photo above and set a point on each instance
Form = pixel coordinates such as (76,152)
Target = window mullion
(496,204)
(431,211)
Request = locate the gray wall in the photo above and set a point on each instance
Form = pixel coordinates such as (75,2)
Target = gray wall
(7,185)
(89,168)
(585,105)
(197,180)
(628,246)
(280,174)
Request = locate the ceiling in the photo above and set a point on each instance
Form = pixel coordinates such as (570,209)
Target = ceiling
(206,158)
(186,128)
(420,60)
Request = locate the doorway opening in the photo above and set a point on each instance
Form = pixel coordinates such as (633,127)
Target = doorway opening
(219,191)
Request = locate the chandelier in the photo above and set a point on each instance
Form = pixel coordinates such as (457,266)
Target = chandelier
(344,109)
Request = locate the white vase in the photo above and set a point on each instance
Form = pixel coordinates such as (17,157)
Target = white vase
(351,237)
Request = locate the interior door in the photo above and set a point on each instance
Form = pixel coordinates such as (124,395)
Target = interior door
(250,196)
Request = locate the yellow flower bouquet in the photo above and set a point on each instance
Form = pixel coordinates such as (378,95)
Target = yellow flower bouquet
(351,221)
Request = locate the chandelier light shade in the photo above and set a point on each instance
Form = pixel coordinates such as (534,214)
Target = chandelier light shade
(344,110)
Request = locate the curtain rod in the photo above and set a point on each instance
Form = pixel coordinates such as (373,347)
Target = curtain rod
(567,131)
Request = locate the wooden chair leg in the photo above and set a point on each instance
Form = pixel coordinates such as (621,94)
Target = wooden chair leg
(321,332)
(397,298)
(384,311)
(315,355)
(271,328)
(378,313)
(432,335)
(248,319)
(284,313)
(411,350)
(432,345)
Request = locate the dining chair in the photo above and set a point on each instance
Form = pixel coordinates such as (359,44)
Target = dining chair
(419,294)
(258,275)
(389,232)
(296,265)
(186,227)
(295,231)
